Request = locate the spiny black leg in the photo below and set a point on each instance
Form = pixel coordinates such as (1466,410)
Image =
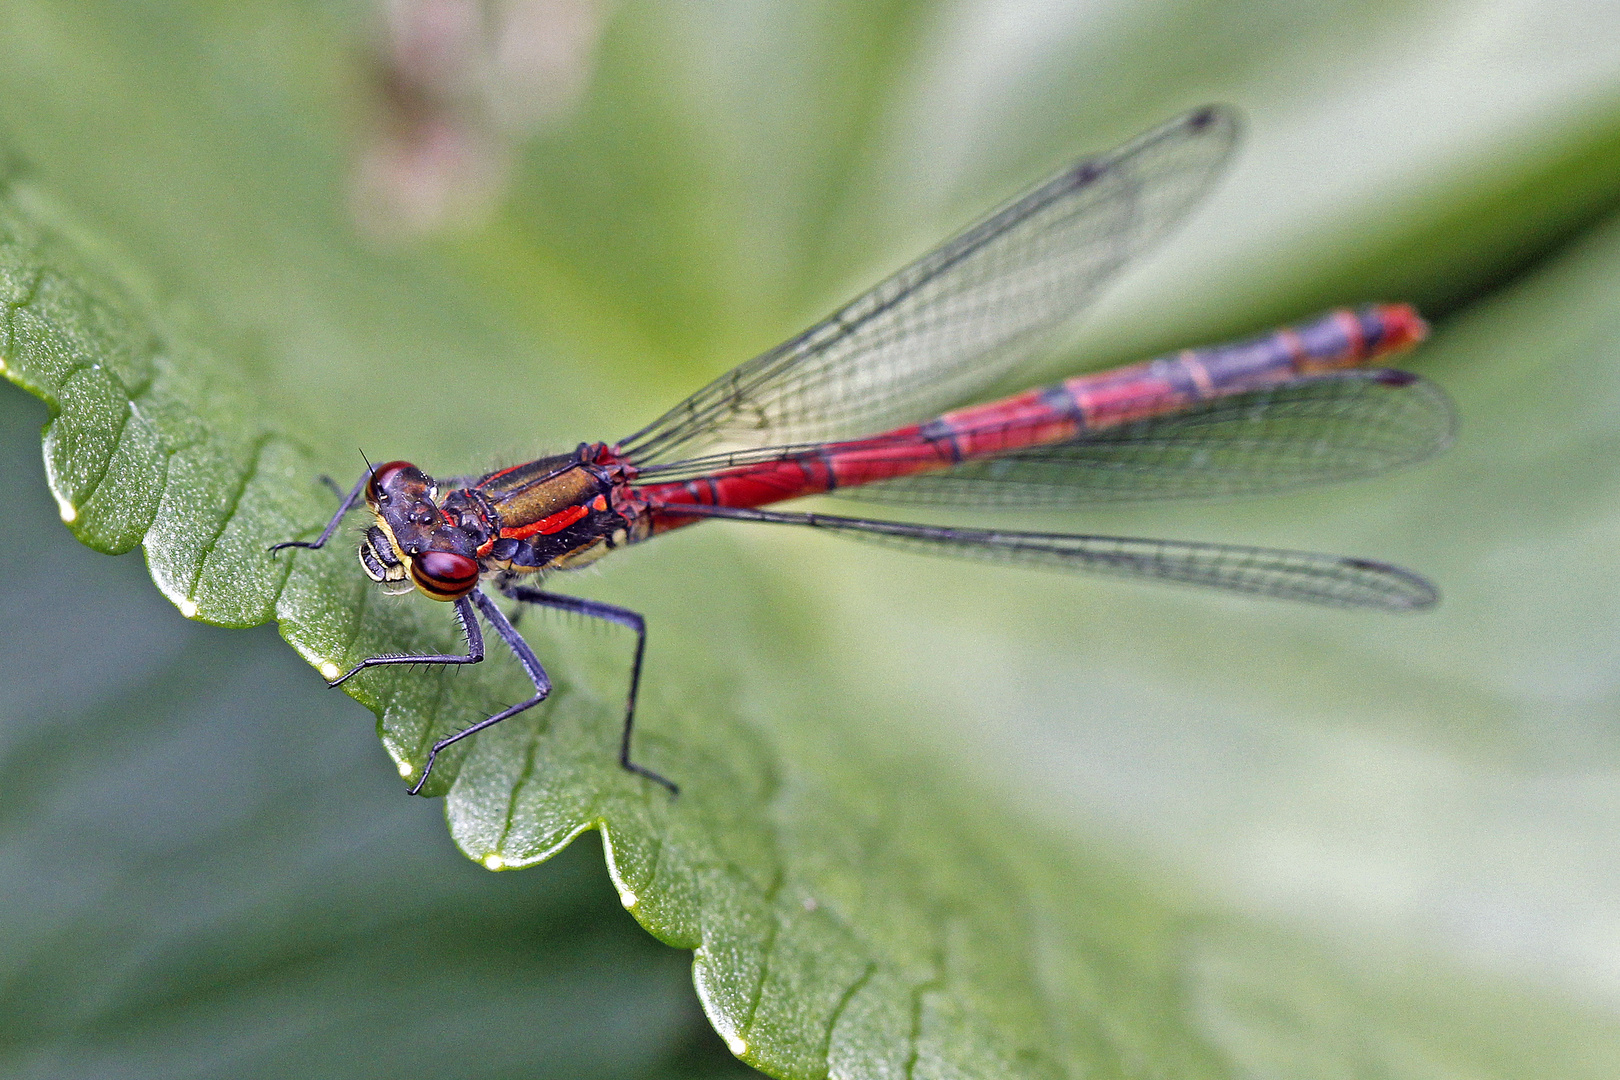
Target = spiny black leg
(613,614)
(469,627)
(331,526)
(520,649)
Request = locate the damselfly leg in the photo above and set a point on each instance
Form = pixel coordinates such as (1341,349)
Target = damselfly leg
(520,648)
(614,614)
(345,504)
(469,628)
(465,614)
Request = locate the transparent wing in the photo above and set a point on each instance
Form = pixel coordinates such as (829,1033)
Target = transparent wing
(1287,575)
(953,322)
(1318,430)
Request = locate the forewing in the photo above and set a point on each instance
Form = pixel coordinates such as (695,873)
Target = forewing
(954,321)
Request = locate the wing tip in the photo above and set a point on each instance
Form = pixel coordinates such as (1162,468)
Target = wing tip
(1426,393)
(1399,589)
(1210,119)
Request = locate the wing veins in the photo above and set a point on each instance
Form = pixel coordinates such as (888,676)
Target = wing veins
(958,317)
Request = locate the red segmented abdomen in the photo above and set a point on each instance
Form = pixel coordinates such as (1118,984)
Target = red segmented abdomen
(1058,413)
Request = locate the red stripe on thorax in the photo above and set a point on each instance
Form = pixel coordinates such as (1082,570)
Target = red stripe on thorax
(504,472)
(547,525)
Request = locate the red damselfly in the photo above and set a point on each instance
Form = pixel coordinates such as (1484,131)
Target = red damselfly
(1289,408)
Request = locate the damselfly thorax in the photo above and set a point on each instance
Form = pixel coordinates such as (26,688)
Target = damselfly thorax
(554,513)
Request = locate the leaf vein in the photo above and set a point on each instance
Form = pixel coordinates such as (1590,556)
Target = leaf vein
(441,687)
(27,298)
(231,507)
(914,1036)
(773,931)
(657,859)
(530,753)
(838,1013)
(358,625)
(117,439)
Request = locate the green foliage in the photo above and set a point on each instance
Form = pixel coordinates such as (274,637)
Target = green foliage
(209,870)
(887,855)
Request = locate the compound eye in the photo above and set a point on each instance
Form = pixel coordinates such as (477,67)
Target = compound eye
(444,575)
(382,480)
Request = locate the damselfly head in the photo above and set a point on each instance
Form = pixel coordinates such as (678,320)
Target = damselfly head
(413,539)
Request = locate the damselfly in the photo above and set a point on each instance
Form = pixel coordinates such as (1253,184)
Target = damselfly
(1266,414)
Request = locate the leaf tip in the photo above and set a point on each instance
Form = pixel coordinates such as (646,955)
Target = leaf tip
(69,513)
(627,898)
(737,1046)
(493,861)
(330,671)
(188,608)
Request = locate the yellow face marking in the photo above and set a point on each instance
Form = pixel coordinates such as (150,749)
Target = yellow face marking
(393,542)
(397,573)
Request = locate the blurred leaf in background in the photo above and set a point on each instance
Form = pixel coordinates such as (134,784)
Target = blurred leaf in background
(1231,838)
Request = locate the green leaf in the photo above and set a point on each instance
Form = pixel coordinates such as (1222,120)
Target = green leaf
(891,853)
(209,871)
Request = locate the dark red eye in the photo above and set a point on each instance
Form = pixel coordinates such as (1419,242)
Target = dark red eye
(382,480)
(444,575)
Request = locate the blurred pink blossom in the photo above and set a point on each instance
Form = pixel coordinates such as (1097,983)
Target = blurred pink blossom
(459,84)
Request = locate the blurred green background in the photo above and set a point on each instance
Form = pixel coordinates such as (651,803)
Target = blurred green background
(1400,834)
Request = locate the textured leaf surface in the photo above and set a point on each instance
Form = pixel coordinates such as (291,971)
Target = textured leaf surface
(865,740)
(208,870)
